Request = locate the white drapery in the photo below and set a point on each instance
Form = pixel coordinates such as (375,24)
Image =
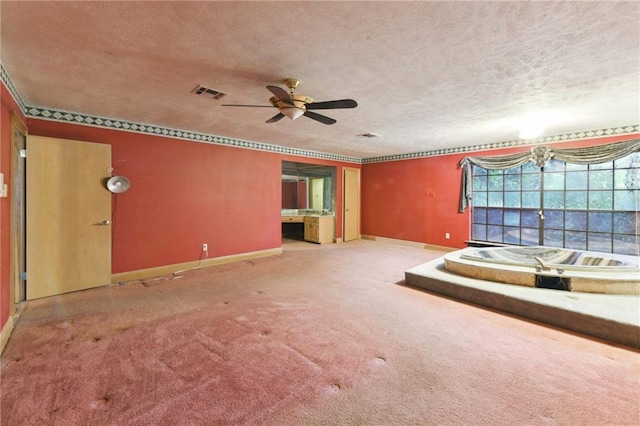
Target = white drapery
(539,155)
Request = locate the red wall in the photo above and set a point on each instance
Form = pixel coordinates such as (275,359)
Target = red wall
(289,195)
(418,199)
(184,194)
(302,195)
(414,200)
(294,195)
(7,106)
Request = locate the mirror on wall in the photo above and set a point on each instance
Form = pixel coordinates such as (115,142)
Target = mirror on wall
(308,186)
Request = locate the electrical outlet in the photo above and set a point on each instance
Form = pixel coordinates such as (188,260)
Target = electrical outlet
(447,236)
(205,247)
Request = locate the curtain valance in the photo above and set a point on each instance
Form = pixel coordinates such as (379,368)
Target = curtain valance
(539,155)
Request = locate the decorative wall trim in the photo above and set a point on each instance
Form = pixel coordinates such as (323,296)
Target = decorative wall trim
(115,124)
(142,274)
(589,134)
(6,79)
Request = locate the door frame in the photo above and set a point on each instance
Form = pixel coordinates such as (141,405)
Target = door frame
(18,254)
(344,207)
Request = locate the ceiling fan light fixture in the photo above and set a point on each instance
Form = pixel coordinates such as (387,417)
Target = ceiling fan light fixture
(292,83)
(292,112)
(294,106)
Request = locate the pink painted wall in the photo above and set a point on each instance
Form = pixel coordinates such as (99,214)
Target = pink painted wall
(417,200)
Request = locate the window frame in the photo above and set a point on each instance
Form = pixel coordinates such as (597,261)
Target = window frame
(497,218)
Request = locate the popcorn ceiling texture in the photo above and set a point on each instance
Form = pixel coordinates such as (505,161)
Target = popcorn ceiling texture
(426,75)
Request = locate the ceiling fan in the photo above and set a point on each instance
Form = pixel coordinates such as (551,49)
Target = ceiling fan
(293,106)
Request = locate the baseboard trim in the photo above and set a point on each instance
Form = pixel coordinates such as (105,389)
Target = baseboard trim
(408,243)
(440,248)
(170,269)
(6,333)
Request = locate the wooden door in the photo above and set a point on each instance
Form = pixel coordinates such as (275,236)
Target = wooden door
(68,216)
(351,205)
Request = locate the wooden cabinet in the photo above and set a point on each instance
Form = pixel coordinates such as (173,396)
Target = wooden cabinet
(319,229)
(292,219)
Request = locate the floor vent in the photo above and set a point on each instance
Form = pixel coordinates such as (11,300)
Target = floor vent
(215,94)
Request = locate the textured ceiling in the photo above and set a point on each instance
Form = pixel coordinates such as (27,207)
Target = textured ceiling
(426,75)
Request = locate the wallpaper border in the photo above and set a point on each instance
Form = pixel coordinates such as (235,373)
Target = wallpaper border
(116,124)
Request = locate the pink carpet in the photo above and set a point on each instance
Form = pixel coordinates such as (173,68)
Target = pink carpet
(320,335)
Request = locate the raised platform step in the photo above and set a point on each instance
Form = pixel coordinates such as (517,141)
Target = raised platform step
(611,317)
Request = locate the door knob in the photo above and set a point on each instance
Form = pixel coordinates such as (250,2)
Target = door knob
(103,223)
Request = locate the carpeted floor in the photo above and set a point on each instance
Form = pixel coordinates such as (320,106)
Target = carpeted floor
(320,335)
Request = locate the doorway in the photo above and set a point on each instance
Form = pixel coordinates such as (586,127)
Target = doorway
(307,189)
(18,268)
(351,204)
(308,186)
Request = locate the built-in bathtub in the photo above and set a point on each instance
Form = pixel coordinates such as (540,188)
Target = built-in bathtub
(549,267)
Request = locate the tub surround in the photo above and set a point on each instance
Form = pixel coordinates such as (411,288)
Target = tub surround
(553,257)
(609,274)
(610,317)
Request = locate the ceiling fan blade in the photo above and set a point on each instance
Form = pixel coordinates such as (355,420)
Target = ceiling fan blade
(321,118)
(281,94)
(275,118)
(342,103)
(251,106)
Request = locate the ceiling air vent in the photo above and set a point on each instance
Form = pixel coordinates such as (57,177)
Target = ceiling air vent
(215,94)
